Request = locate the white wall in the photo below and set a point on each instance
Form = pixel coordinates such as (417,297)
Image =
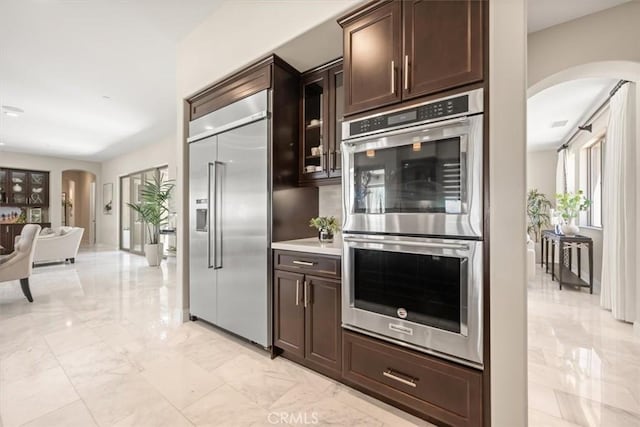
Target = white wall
(161,153)
(507,146)
(610,35)
(55,166)
(541,172)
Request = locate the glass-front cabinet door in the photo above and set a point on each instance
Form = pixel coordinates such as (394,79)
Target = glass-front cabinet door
(125,213)
(4,186)
(314,105)
(18,184)
(37,189)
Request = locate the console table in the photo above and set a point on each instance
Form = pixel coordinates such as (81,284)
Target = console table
(566,245)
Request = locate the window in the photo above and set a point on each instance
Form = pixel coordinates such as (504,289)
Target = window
(594,182)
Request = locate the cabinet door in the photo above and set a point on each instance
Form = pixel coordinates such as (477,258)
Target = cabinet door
(289,312)
(442,45)
(372,55)
(4,186)
(323,341)
(336,116)
(38,189)
(6,244)
(315,120)
(18,187)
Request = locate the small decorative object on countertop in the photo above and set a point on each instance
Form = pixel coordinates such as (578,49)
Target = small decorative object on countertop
(326,226)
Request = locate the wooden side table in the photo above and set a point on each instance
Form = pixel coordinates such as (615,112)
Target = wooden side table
(565,246)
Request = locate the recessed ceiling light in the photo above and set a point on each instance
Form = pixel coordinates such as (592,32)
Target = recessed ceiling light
(106,97)
(12,111)
(559,123)
(208,128)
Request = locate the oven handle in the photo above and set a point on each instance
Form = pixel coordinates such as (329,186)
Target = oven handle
(436,125)
(459,246)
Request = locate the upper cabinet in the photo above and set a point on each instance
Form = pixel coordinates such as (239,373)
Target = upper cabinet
(372,58)
(24,188)
(400,50)
(321,125)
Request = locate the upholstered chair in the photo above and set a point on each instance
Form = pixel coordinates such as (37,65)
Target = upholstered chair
(18,264)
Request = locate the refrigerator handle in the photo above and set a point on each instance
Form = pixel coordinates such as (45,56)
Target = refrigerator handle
(211,249)
(217,217)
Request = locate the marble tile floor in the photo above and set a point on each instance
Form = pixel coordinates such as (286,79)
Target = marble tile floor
(102,346)
(584,366)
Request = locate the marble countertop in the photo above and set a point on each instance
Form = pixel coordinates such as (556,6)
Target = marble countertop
(311,245)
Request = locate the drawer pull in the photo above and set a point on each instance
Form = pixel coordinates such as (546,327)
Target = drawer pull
(306,263)
(297,292)
(394,376)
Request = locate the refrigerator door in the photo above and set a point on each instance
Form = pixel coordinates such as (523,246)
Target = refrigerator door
(202,275)
(243,215)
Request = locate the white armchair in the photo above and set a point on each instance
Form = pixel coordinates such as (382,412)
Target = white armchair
(61,245)
(18,264)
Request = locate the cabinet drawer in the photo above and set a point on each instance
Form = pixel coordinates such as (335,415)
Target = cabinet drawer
(308,263)
(442,391)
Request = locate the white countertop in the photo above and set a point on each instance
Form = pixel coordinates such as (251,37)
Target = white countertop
(311,245)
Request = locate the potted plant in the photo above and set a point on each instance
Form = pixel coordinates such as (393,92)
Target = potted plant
(537,212)
(153,210)
(569,206)
(326,226)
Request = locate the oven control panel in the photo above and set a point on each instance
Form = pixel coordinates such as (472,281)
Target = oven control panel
(421,113)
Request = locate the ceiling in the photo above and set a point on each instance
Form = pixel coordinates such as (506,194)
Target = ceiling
(95,78)
(556,112)
(543,14)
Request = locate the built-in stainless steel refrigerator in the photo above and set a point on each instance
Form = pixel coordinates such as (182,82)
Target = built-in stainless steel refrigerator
(229,210)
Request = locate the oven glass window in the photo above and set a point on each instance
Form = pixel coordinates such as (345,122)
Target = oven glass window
(419,177)
(427,287)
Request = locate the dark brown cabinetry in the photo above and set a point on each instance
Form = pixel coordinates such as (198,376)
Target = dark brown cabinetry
(400,50)
(8,234)
(307,319)
(23,188)
(440,391)
(322,110)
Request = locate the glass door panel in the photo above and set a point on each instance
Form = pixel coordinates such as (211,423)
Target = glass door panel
(37,183)
(137,225)
(4,179)
(125,213)
(313,152)
(18,183)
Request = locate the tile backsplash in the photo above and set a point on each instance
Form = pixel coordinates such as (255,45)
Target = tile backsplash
(330,201)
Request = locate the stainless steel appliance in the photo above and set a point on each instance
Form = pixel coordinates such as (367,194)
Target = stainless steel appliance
(416,170)
(422,293)
(229,217)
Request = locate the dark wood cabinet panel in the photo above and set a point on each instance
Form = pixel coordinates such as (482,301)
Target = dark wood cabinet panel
(442,45)
(289,312)
(372,58)
(438,390)
(336,117)
(323,332)
(308,263)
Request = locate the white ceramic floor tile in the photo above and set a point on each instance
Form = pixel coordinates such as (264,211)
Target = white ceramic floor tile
(30,397)
(71,339)
(27,361)
(75,414)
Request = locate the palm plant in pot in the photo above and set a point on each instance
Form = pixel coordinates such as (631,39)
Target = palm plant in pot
(327,227)
(153,210)
(538,207)
(569,206)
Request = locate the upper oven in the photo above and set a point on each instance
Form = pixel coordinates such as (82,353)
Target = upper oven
(416,171)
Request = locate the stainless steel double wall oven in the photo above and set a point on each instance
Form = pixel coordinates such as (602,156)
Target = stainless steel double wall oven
(413,216)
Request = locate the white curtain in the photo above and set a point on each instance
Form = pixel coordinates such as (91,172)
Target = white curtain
(618,292)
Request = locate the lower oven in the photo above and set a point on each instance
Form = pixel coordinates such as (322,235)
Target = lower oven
(421,293)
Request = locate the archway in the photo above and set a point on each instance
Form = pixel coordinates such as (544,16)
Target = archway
(78,202)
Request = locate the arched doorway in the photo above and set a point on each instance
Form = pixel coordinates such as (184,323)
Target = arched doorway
(78,202)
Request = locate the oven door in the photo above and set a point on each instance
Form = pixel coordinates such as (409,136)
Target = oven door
(422,293)
(422,180)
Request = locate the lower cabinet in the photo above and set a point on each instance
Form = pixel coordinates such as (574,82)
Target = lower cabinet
(8,234)
(443,392)
(307,318)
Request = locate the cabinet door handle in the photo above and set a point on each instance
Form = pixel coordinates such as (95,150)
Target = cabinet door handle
(393,77)
(389,373)
(306,263)
(297,292)
(406,72)
(306,294)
